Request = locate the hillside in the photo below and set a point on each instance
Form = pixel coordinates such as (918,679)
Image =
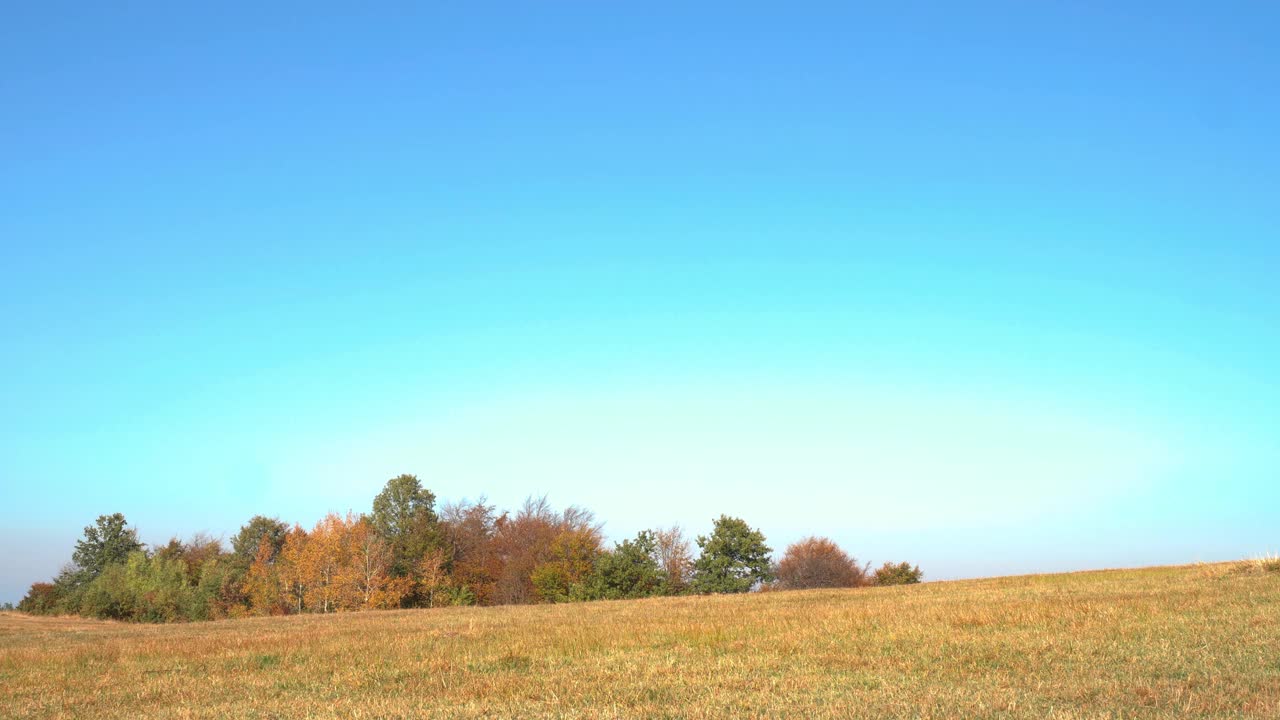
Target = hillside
(1197,641)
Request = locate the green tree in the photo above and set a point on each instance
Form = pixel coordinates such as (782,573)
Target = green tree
(259,528)
(734,558)
(631,570)
(404,515)
(105,543)
(68,584)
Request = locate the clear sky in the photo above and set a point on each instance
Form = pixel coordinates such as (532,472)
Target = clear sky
(990,287)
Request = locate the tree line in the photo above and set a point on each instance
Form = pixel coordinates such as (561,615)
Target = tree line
(406,553)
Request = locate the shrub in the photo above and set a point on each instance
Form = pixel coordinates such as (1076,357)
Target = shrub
(41,599)
(107,596)
(897,574)
(817,562)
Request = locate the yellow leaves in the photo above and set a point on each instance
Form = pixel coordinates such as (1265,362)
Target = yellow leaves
(262,583)
(388,595)
(341,565)
(570,560)
(432,576)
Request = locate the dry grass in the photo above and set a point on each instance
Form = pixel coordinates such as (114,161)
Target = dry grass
(1152,643)
(1261,564)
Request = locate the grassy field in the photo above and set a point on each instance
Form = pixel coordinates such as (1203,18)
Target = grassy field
(1200,641)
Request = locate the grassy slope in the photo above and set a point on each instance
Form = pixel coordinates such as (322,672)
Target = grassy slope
(1157,642)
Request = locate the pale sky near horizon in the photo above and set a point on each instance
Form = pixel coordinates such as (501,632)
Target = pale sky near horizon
(988,288)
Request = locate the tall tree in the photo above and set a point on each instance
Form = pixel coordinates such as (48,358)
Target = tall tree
(404,515)
(734,558)
(107,542)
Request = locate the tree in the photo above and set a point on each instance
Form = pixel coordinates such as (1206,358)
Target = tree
(433,578)
(216,594)
(292,568)
(470,530)
(404,515)
(260,528)
(108,542)
(734,558)
(675,558)
(325,557)
(817,562)
(632,570)
(566,570)
(262,583)
(157,589)
(897,574)
(68,586)
(526,541)
(193,554)
(371,567)
(141,589)
(521,543)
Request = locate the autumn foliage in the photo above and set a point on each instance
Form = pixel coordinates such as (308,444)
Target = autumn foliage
(405,553)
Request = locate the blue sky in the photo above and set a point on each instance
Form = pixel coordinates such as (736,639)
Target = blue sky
(989,287)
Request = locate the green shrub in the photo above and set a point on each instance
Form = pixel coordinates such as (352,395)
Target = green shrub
(897,574)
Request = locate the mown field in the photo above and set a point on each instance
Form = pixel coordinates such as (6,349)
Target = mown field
(1200,641)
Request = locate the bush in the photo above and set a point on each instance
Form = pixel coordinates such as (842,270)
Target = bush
(143,589)
(41,599)
(897,574)
(107,596)
(817,562)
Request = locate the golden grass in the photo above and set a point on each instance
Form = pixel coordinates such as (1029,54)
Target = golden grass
(1269,562)
(1151,643)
